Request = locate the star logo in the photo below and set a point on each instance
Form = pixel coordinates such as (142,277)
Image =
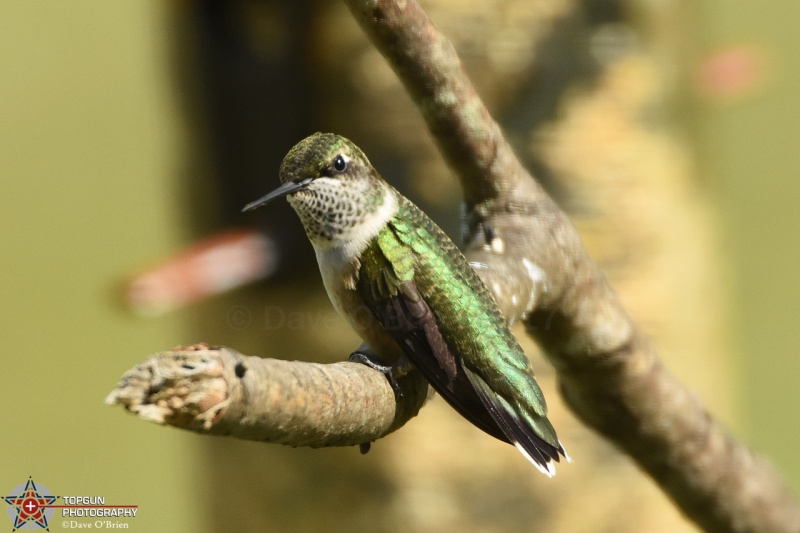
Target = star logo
(29,506)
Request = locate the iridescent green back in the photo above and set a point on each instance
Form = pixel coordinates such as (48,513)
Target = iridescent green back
(414,247)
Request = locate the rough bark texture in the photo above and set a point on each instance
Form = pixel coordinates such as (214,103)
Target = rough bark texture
(218,391)
(608,371)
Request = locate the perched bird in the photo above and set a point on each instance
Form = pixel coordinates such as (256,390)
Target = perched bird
(408,291)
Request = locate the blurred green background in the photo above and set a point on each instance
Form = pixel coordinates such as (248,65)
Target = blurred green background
(748,155)
(91,148)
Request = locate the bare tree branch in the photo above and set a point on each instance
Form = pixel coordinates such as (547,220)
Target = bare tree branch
(531,257)
(218,391)
(607,371)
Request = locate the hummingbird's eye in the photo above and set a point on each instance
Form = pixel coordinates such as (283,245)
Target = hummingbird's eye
(340,163)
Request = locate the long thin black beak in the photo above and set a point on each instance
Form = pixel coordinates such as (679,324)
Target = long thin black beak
(285,189)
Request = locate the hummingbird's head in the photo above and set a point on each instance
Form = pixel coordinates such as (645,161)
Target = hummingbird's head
(323,155)
(331,185)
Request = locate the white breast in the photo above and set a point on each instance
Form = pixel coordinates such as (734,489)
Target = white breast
(339,261)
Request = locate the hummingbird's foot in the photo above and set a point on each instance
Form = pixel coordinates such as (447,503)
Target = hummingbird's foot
(392,372)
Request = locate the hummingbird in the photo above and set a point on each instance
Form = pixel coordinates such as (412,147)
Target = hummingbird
(411,295)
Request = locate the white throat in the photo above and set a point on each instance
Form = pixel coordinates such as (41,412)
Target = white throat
(353,225)
(339,258)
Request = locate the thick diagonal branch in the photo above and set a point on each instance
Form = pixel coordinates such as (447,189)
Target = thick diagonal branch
(539,270)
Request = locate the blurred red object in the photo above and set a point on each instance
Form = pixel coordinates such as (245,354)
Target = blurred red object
(215,265)
(732,73)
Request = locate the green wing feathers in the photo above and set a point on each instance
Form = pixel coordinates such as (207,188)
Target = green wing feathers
(451,328)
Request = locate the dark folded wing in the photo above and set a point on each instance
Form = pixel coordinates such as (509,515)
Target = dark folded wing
(410,267)
(410,321)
